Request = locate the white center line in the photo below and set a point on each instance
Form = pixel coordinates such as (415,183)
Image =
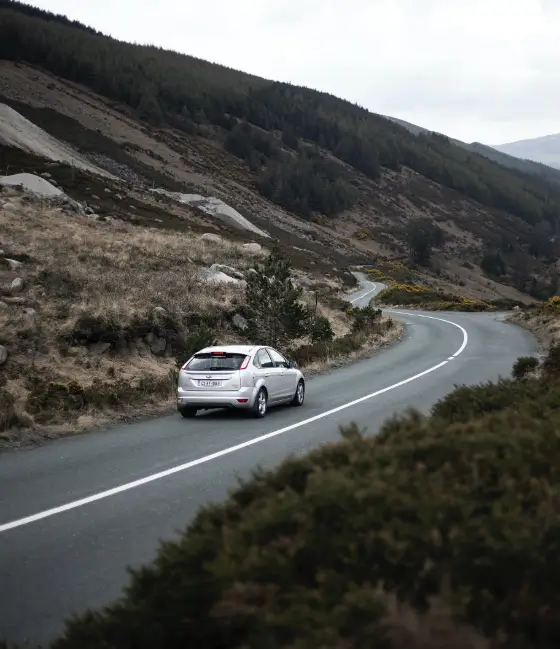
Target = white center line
(238,447)
(364,295)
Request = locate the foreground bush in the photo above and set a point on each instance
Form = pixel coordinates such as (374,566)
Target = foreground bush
(523,366)
(428,513)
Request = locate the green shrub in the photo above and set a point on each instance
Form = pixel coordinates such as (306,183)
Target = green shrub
(533,397)
(54,401)
(551,364)
(364,318)
(467,513)
(203,336)
(321,351)
(320,329)
(524,365)
(8,415)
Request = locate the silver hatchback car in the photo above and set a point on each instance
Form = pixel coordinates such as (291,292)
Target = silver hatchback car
(240,376)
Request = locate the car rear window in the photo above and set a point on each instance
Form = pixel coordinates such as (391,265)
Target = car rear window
(216,363)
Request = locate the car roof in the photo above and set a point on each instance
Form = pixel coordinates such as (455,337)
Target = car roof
(232,349)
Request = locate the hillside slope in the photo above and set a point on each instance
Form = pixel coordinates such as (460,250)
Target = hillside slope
(544,149)
(497,154)
(315,171)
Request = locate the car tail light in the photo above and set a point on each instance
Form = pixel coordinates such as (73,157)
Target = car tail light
(242,400)
(217,353)
(245,363)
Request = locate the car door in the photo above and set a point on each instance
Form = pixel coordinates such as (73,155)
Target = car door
(288,379)
(271,375)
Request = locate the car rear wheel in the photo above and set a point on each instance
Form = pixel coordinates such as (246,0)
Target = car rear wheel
(188,413)
(260,406)
(299,396)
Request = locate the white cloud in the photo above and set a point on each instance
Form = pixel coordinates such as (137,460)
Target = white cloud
(483,70)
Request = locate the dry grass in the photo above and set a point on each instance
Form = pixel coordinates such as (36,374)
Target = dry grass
(88,282)
(113,274)
(545,325)
(369,344)
(115,271)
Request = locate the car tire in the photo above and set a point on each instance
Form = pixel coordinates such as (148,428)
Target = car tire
(299,396)
(260,406)
(188,413)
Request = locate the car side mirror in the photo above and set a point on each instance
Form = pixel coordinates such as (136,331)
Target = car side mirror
(293,365)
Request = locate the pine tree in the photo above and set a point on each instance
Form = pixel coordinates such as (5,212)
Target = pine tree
(276,315)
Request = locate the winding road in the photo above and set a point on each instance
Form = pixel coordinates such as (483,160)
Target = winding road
(76,512)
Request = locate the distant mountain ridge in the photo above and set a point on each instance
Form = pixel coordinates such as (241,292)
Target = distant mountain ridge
(511,155)
(545,149)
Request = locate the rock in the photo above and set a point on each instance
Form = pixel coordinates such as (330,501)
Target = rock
(3,355)
(32,184)
(95,198)
(46,174)
(211,238)
(9,207)
(228,270)
(158,221)
(251,271)
(218,277)
(13,263)
(14,300)
(160,310)
(252,247)
(107,190)
(157,345)
(100,348)
(517,308)
(89,210)
(31,319)
(17,285)
(3,306)
(239,321)
(2,253)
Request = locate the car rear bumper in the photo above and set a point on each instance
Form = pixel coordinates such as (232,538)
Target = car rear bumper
(242,398)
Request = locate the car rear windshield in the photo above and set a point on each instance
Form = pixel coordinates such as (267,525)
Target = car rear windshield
(216,363)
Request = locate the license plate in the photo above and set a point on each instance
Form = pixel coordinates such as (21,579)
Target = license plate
(209,384)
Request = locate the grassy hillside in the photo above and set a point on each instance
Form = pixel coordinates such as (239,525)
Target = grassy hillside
(96,313)
(306,163)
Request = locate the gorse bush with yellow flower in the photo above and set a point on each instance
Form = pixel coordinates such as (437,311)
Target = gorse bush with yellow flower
(429,298)
(553,304)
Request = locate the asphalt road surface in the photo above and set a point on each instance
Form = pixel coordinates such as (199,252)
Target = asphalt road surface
(76,512)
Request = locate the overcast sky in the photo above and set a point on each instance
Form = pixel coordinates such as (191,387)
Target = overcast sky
(486,70)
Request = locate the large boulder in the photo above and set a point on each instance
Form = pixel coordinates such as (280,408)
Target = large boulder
(17,285)
(239,321)
(253,248)
(209,237)
(13,264)
(228,270)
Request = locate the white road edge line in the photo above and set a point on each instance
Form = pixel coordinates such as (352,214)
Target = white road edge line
(208,458)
